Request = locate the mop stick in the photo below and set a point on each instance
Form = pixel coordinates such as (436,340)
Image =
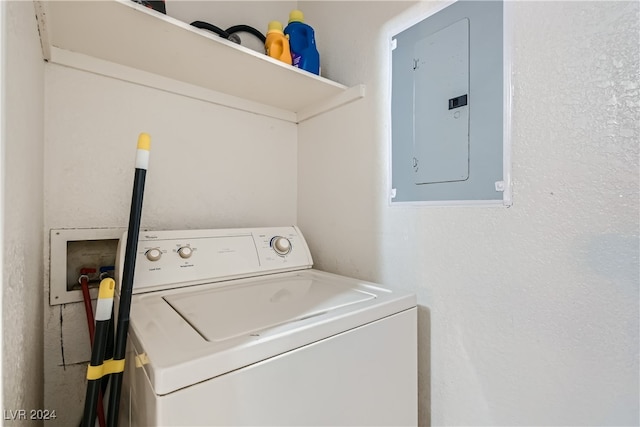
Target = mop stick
(126,287)
(95,371)
(84,283)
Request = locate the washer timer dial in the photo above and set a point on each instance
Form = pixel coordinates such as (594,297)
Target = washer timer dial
(153,254)
(281,245)
(185,252)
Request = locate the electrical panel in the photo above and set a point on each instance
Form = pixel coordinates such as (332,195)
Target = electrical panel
(448,112)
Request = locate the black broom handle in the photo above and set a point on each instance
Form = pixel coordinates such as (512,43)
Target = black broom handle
(95,369)
(124,307)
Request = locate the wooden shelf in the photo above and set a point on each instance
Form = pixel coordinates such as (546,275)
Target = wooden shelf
(122,39)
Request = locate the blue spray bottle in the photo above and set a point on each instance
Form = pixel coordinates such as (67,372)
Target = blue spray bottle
(303,43)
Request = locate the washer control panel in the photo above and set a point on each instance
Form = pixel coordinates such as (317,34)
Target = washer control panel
(170,259)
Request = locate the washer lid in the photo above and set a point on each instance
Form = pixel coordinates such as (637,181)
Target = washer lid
(188,335)
(221,314)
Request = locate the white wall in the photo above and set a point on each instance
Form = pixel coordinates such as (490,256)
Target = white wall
(210,167)
(528,315)
(22,268)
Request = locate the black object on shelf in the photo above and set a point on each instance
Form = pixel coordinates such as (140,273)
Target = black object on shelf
(155,5)
(230,33)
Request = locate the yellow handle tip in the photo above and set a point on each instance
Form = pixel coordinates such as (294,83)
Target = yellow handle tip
(107,288)
(144,142)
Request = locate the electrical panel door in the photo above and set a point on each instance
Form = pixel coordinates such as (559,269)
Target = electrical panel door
(441,105)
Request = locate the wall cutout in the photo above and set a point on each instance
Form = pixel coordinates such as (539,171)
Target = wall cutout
(450,108)
(75,249)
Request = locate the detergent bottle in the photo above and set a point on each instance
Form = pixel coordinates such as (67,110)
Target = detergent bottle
(277,44)
(304,53)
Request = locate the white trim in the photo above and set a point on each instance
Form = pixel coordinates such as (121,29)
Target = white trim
(451,203)
(507,104)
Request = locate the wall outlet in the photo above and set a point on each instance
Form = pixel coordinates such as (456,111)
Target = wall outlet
(73,250)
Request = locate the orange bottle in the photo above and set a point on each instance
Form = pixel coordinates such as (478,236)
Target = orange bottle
(277,44)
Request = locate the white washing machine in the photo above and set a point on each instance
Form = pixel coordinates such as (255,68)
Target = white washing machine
(234,327)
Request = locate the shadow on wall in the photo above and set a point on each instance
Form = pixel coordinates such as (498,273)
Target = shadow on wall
(424,366)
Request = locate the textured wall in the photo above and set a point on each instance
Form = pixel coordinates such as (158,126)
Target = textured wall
(23,213)
(528,315)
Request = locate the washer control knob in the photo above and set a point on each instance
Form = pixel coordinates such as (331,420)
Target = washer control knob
(185,252)
(281,245)
(153,254)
